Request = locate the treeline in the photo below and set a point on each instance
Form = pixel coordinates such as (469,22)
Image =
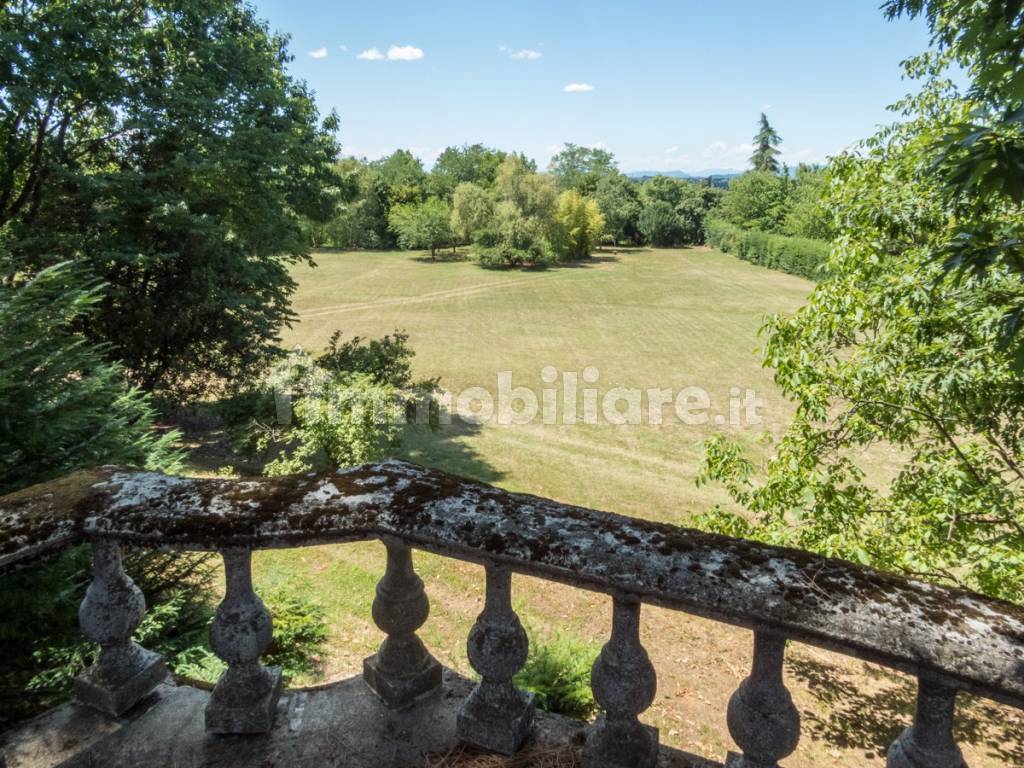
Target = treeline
(507,210)
(774,218)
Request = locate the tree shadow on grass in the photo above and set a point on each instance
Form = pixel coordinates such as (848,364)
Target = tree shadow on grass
(446,448)
(443,257)
(869,718)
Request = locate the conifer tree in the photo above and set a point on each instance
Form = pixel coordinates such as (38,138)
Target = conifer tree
(766,143)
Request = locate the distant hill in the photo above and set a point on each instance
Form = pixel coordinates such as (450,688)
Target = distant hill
(719,176)
(726,172)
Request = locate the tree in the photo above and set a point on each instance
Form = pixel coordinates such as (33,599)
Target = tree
(894,354)
(164,147)
(766,143)
(756,200)
(807,216)
(66,408)
(534,194)
(979,157)
(474,163)
(472,211)
(579,225)
(619,201)
(663,188)
(581,168)
(422,225)
(404,176)
(659,223)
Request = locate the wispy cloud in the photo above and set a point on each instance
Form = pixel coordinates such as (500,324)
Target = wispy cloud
(342,47)
(726,154)
(404,53)
(672,150)
(319,53)
(370,54)
(523,54)
(765,107)
(578,88)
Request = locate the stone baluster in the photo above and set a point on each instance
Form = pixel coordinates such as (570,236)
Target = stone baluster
(624,684)
(929,742)
(113,607)
(245,697)
(762,718)
(402,670)
(497,716)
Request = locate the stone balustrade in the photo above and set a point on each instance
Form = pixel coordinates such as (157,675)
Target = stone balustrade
(950,640)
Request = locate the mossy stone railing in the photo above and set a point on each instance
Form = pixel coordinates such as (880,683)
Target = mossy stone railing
(950,640)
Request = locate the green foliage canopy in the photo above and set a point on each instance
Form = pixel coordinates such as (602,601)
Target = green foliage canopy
(162,146)
(893,355)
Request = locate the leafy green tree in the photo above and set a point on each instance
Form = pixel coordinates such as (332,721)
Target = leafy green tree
(979,157)
(472,211)
(514,239)
(806,216)
(422,225)
(663,188)
(619,201)
(581,168)
(579,225)
(534,194)
(404,176)
(164,147)
(470,163)
(695,203)
(756,200)
(660,224)
(896,358)
(766,147)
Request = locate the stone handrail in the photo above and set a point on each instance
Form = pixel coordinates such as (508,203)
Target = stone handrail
(951,640)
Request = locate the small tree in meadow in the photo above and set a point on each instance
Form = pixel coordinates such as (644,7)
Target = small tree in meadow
(422,225)
(579,225)
(472,211)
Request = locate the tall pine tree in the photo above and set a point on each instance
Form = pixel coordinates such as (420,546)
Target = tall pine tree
(766,152)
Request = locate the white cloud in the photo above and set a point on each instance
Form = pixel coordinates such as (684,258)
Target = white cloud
(404,53)
(672,150)
(319,53)
(370,54)
(523,54)
(724,154)
(766,107)
(578,88)
(342,47)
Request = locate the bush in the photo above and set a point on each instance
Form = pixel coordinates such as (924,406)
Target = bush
(795,255)
(300,632)
(557,672)
(42,647)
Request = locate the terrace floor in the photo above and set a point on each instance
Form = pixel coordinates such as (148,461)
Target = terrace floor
(342,724)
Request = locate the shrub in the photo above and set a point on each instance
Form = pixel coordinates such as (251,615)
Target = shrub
(579,224)
(300,632)
(795,255)
(557,672)
(660,224)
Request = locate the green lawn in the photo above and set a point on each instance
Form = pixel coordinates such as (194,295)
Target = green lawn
(644,319)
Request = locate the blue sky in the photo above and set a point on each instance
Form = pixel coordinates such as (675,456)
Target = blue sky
(665,85)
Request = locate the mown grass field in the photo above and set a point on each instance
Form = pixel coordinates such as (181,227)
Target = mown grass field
(643,319)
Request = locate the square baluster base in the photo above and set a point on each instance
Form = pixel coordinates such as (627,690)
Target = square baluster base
(612,746)
(254,717)
(117,695)
(401,692)
(495,731)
